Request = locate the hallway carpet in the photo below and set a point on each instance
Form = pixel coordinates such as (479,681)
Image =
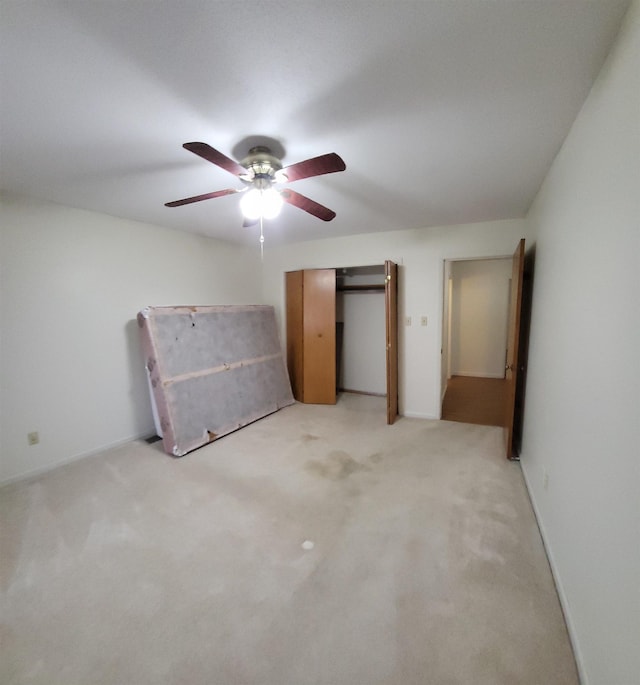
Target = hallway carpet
(317,546)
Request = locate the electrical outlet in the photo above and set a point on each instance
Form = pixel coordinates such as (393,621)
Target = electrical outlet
(407,321)
(33,438)
(423,320)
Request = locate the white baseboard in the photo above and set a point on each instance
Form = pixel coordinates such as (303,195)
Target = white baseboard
(363,392)
(417,415)
(32,473)
(469,374)
(573,638)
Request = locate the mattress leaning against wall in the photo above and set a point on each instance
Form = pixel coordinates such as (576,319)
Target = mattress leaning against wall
(212,370)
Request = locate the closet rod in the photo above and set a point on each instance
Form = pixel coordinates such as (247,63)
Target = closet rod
(356,288)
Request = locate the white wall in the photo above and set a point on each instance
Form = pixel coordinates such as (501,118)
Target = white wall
(71,284)
(420,254)
(364,354)
(582,402)
(479,314)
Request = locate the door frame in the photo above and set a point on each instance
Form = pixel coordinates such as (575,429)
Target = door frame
(391,319)
(514,367)
(444,293)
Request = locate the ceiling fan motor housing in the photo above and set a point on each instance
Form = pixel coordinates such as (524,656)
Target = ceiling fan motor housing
(262,166)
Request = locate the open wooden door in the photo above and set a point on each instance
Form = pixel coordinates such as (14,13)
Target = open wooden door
(513,339)
(391,315)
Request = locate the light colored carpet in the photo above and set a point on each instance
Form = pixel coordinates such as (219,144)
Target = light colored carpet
(134,568)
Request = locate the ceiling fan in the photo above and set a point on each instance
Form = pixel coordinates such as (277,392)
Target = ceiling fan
(260,171)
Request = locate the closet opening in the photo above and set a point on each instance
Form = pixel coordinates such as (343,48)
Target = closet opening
(360,330)
(342,333)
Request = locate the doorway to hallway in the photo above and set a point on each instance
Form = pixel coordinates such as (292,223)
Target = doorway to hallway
(476,312)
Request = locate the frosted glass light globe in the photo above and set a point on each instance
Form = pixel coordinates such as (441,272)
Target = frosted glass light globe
(251,204)
(271,203)
(261,203)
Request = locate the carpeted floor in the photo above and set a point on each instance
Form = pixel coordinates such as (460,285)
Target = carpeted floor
(469,399)
(134,568)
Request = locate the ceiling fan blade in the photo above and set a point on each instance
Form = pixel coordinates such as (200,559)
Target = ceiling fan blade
(198,198)
(307,204)
(211,155)
(317,166)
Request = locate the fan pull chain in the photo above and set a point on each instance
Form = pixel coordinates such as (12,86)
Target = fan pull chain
(261,241)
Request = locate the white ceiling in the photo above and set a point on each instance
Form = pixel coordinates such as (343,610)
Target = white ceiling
(445,112)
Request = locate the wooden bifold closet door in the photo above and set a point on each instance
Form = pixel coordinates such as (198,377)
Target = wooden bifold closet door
(311,334)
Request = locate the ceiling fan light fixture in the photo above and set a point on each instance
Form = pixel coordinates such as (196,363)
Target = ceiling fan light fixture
(259,171)
(280,176)
(257,203)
